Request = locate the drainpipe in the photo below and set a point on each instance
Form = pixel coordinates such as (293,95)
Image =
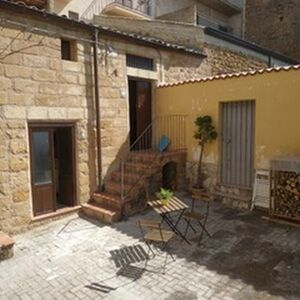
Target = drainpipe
(97,107)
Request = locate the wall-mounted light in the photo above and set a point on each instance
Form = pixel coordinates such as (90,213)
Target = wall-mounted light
(122,93)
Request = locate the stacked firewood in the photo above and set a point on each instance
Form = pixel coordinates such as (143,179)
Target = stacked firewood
(286,196)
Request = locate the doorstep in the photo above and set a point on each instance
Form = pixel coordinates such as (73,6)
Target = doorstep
(58,213)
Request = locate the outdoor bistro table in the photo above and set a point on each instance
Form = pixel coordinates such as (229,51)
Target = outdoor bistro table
(175,205)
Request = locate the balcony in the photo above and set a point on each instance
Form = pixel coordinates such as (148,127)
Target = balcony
(228,7)
(123,8)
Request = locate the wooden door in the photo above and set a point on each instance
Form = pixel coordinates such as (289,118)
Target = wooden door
(42,171)
(238,132)
(140,99)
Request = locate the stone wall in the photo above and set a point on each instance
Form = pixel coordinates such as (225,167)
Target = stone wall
(275,25)
(37,85)
(223,61)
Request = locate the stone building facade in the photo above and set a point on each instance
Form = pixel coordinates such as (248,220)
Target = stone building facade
(39,89)
(274,24)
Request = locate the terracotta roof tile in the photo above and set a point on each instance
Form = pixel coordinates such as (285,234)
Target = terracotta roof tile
(232,75)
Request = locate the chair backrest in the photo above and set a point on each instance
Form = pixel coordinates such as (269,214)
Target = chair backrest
(163,143)
(149,224)
(204,196)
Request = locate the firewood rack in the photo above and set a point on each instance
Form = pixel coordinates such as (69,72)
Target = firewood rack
(285,188)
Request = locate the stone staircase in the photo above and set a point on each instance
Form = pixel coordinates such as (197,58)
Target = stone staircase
(140,173)
(109,206)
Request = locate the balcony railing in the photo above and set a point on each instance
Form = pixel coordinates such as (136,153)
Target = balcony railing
(97,6)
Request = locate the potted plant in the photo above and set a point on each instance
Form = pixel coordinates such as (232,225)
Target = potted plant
(164,196)
(205,133)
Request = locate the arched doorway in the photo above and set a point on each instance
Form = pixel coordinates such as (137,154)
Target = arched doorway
(169,176)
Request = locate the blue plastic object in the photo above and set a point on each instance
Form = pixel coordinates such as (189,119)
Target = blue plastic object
(163,143)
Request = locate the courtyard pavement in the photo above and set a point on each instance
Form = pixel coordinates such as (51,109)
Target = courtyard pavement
(78,258)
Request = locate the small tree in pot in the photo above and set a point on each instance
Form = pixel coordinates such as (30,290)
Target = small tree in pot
(205,133)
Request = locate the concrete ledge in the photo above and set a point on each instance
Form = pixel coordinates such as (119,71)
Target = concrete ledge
(6,246)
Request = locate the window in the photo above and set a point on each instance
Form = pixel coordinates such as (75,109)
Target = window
(73,15)
(68,50)
(139,62)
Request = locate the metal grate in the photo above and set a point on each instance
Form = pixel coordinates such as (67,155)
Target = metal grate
(139,62)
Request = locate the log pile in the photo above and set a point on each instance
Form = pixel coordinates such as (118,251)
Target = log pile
(286,194)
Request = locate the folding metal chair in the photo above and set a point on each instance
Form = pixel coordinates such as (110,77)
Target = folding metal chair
(198,217)
(152,233)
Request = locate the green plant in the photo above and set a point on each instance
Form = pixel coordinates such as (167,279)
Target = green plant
(205,133)
(164,195)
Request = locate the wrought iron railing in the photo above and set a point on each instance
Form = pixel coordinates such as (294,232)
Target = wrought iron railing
(97,6)
(172,127)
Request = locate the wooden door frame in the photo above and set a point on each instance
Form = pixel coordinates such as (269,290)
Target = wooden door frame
(150,81)
(52,125)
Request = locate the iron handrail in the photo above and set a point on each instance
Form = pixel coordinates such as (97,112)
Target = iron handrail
(180,119)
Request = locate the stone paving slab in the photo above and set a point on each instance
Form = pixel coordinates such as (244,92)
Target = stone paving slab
(73,258)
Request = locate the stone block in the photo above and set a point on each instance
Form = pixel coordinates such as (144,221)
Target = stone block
(36,113)
(36,61)
(75,113)
(47,100)
(71,66)
(18,163)
(14,112)
(26,46)
(55,64)
(68,78)
(44,75)
(49,88)
(5,84)
(21,195)
(6,246)
(13,59)
(25,86)
(57,113)
(20,98)
(16,125)
(71,89)
(3,165)
(18,71)
(18,146)
(3,98)
(4,42)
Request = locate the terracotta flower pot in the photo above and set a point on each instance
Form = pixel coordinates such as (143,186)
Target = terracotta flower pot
(164,202)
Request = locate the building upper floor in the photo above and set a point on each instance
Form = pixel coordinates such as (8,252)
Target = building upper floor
(224,15)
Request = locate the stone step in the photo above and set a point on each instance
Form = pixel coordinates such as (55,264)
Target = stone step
(6,246)
(114,188)
(105,198)
(137,168)
(142,157)
(130,178)
(102,213)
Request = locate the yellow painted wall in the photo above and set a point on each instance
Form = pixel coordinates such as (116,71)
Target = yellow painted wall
(277,97)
